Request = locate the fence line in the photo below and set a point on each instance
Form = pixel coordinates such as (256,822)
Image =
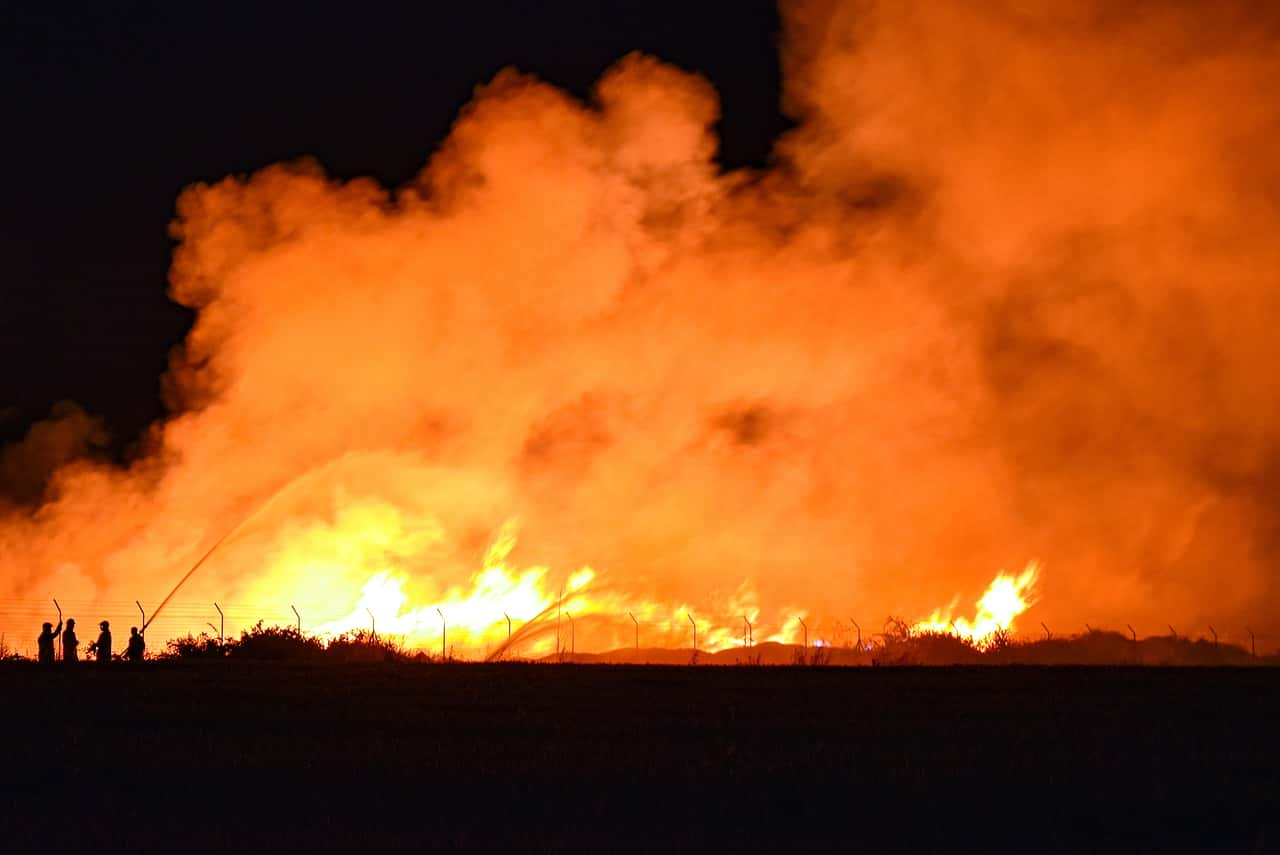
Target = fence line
(20,621)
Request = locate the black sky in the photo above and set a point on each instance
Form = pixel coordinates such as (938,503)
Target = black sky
(111,110)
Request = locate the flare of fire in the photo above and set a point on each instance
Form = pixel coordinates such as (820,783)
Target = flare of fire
(471,620)
(1005,599)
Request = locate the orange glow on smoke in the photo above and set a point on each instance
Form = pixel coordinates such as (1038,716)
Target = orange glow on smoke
(1007,290)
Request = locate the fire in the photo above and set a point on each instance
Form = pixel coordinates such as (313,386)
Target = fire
(1006,597)
(507,610)
(953,319)
(377,559)
(469,618)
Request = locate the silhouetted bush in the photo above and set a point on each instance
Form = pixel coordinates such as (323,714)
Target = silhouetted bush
(941,648)
(363,646)
(192,647)
(274,644)
(277,644)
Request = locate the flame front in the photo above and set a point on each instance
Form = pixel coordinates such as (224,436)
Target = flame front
(469,618)
(1005,598)
(502,609)
(507,610)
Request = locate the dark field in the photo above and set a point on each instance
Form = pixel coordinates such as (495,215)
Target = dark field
(601,758)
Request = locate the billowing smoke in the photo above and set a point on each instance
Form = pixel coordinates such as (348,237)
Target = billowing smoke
(1007,294)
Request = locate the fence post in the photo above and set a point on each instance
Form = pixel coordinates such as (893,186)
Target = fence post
(444,636)
(695,632)
(859,629)
(1132,633)
(508,617)
(1172,632)
(637,623)
(573,635)
(222,624)
(299,617)
(373,621)
(805,627)
(559,607)
(1048,636)
(59,608)
(1215,635)
(143,612)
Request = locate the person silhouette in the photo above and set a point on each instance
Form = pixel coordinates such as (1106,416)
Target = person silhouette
(70,644)
(44,644)
(137,645)
(102,647)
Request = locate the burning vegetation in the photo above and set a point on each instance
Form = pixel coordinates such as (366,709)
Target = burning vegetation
(1006,293)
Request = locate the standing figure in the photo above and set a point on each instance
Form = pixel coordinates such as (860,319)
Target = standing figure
(70,644)
(137,645)
(102,647)
(44,644)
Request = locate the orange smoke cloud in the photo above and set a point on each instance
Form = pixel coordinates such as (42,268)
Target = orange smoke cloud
(1006,294)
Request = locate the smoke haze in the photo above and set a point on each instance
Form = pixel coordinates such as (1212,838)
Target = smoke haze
(1007,293)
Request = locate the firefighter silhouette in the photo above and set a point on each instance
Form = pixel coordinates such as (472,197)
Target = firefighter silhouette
(44,644)
(102,647)
(137,646)
(70,644)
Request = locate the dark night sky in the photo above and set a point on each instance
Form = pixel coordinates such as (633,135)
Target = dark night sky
(110,113)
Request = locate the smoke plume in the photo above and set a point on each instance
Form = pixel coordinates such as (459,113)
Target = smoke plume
(1006,293)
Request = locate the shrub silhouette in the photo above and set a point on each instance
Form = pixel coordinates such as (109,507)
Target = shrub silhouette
(274,644)
(193,647)
(363,646)
(286,644)
(942,648)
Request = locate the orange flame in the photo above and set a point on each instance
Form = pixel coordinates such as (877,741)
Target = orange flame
(1005,598)
(470,620)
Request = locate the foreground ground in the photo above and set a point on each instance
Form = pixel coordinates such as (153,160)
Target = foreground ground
(607,758)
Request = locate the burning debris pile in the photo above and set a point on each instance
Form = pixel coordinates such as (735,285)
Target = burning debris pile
(1007,292)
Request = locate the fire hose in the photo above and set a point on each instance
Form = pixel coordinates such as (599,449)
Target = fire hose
(193,569)
(212,549)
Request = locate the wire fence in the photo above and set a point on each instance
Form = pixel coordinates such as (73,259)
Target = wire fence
(21,619)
